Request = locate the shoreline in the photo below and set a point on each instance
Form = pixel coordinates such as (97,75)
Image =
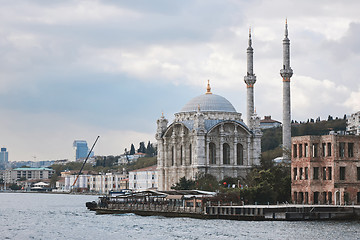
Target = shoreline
(62,193)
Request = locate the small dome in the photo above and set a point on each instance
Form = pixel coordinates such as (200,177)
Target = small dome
(209,102)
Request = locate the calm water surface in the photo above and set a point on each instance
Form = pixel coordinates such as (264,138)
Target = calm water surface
(57,216)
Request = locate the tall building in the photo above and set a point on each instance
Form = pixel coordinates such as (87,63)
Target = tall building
(81,149)
(4,158)
(286,72)
(250,80)
(208,136)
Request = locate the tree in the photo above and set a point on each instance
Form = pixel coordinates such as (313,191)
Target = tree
(184,184)
(206,182)
(269,185)
(229,181)
(142,148)
(106,161)
(132,149)
(268,157)
(150,151)
(53,180)
(14,187)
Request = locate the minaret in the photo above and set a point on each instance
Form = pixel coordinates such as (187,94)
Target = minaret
(286,74)
(250,80)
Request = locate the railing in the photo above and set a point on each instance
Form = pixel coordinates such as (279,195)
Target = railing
(151,207)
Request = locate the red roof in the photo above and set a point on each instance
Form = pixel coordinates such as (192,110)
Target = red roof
(151,168)
(267,119)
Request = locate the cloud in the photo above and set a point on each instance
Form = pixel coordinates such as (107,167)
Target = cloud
(318,98)
(352,102)
(54,134)
(83,67)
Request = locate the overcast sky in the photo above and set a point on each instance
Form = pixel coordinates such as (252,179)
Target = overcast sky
(77,69)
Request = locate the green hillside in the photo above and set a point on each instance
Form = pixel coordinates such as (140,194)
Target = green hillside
(272,138)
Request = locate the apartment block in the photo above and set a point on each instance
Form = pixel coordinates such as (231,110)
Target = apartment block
(325,169)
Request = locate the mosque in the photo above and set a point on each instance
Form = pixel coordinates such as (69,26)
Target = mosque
(209,136)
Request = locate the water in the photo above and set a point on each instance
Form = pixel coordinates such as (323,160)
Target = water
(57,216)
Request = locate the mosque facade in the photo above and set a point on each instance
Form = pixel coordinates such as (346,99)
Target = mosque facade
(209,136)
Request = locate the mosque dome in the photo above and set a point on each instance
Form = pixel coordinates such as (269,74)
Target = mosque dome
(208,102)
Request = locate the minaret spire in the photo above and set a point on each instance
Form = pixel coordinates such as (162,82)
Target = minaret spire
(250,80)
(286,73)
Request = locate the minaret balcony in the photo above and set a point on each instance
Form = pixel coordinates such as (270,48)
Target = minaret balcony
(286,73)
(250,79)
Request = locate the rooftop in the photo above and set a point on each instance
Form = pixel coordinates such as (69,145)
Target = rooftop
(151,168)
(33,169)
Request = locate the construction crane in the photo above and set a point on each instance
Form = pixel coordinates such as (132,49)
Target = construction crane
(85,161)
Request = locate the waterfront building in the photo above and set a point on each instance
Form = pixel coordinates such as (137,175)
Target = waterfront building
(99,183)
(267,122)
(81,149)
(13,175)
(208,136)
(353,123)
(144,178)
(104,183)
(60,185)
(81,184)
(325,169)
(29,184)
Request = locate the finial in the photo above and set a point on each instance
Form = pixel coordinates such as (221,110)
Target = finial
(250,37)
(286,28)
(208,89)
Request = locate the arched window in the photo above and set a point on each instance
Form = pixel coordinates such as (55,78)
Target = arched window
(181,155)
(226,153)
(172,156)
(212,153)
(239,154)
(190,154)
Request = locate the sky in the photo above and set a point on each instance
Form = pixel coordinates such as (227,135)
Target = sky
(73,70)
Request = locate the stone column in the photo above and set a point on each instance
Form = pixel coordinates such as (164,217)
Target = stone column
(207,152)
(248,157)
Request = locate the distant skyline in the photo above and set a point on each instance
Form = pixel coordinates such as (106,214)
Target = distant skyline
(78,69)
